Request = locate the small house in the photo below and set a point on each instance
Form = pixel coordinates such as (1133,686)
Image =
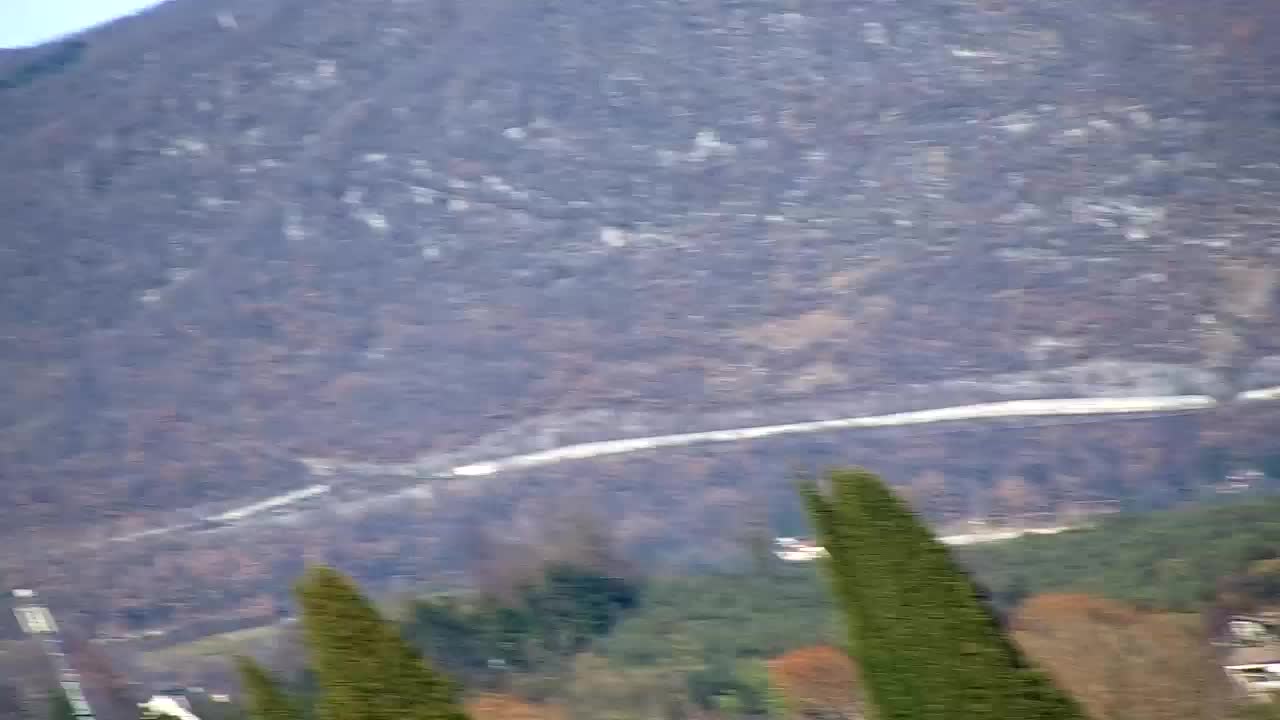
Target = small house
(162,706)
(793,549)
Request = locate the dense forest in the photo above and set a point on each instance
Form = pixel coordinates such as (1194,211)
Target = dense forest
(1183,560)
(773,639)
(574,629)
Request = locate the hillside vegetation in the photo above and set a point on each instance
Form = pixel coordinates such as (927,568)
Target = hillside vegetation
(371,230)
(720,627)
(768,642)
(242,233)
(1179,560)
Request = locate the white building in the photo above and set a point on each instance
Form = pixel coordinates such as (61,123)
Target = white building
(165,705)
(796,550)
(35,620)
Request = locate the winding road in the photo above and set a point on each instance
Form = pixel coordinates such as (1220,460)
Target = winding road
(1051,408)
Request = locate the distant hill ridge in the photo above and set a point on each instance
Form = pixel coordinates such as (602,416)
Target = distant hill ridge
(239,234)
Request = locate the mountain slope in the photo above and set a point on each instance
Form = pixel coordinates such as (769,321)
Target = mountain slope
(241,233)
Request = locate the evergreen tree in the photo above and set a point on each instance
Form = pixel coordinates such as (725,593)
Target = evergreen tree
(264,698)
(928,646)
(365,669)
(60,706)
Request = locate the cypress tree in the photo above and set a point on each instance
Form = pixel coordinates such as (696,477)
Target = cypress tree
(365,669)
(928,646)
(265,699)
(60,706)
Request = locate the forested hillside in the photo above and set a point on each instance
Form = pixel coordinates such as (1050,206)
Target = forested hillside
(783,641)
(1183,560)
(239,234)
(731,642)
(593,635)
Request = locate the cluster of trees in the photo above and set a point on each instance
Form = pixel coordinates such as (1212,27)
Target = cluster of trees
(1122,662)
(1224,554)
(362,665)
(547,622)
(905,633)
(715,635)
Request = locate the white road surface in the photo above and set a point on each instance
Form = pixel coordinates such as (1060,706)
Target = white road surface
(1013,409)
(981,411)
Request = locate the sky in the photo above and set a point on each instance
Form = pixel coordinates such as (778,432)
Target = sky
(30,22)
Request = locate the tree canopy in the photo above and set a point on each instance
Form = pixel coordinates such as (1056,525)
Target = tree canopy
(928,645)
(1123,663)
(817,682)
(266,700)
(1183,559)
(60,706)
(364,669)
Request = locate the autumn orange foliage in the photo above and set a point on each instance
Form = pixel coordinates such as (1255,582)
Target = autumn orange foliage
(1120,662)
(495,706)
(818,681)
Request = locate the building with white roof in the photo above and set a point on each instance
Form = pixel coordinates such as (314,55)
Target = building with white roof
(165,705)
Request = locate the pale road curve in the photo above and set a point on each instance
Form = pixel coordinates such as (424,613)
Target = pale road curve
(1011,409)
(1268,393)
(981,411)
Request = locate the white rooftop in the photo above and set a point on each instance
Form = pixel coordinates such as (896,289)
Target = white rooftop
(165,705)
